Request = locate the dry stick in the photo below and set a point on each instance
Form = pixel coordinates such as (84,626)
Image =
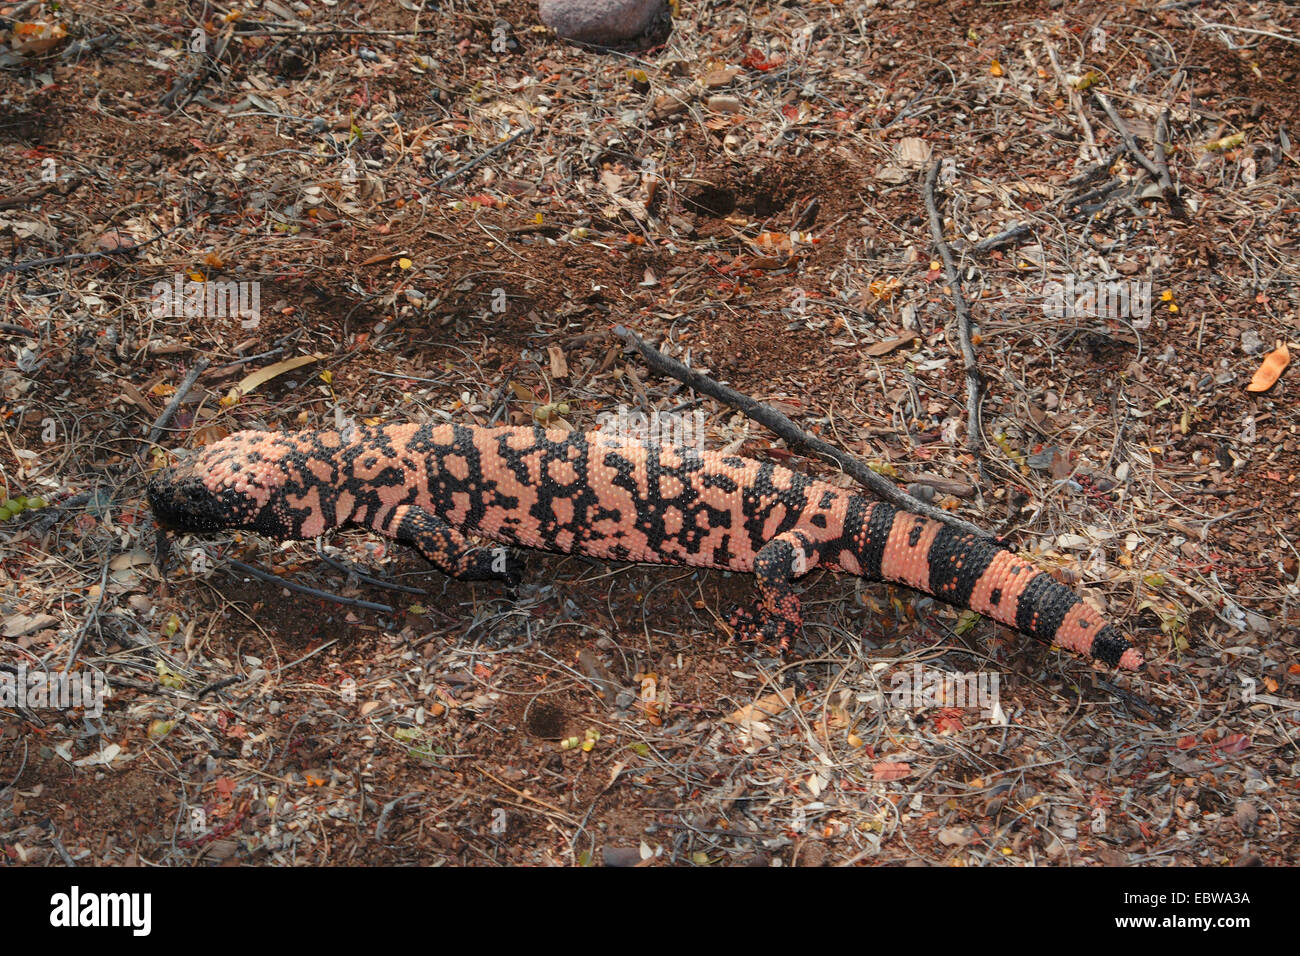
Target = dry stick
(167,413)
(1251,30)
(794,436)
(73,257)
(974,384)
(17,202)
(367,579)
(58,844)
(478,159)
(1011,233)
(1076,102)
(270,578)
(1129,142)
(218,685)
(343,31)
(1162,163)
(69,186)
(90,619)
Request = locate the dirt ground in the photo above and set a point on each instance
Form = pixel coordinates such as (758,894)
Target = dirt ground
(445,210)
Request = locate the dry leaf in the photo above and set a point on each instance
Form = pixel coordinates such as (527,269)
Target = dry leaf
(33,39)
(878,349)
(890,771)
(956,836)
(559,367)
(130,559)
(17,625)
(774,243)
(913,152)
(264,375)
(768,706)
(1268,372)
(382,257)
(768,262)
(113,239)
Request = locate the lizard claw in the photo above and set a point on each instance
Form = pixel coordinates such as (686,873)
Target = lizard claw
(759,627)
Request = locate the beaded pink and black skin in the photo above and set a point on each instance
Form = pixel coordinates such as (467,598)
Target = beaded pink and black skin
(429,485)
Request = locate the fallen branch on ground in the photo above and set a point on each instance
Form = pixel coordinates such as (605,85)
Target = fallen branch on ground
(974,383)
(794,436)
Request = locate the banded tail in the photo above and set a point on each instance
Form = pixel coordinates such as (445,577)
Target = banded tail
(977,572)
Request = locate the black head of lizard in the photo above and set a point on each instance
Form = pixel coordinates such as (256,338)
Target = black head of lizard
(238,482)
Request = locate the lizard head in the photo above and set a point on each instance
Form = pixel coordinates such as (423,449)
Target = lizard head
(237,482)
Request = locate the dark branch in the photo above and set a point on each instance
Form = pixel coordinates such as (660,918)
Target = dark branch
(974,384)
(794,436)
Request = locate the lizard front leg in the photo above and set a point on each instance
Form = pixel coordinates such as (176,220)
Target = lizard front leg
(777,615)
(449,550)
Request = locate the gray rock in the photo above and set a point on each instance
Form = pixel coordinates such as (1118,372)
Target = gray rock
(599,21)
(621,855)
(1252,343)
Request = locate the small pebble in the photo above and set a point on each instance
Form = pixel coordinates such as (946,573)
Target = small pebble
(1252,343)
(922,491)
(620,855)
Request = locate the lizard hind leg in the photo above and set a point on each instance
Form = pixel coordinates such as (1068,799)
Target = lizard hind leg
(449,550)
(777,618)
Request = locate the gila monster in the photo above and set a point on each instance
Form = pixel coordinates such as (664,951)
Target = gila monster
(427,485)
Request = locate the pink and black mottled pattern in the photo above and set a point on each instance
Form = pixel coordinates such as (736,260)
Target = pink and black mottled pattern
(429,485)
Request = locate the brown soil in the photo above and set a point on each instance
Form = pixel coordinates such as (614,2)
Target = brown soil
(253,724)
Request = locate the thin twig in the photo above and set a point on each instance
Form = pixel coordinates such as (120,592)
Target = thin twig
(306,657)
(1076,101)
(304,589)
(18,202)
(218,685)
(58,844)
(73,257)
(90,618)
(974,384)
(186,384)
(478,159)
(250,358)
(524,795)
(1129,142)
(343,31)
(794,436)
(1259,33)
(1162,164)
(367,579)
(61,190)
(1007,236)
